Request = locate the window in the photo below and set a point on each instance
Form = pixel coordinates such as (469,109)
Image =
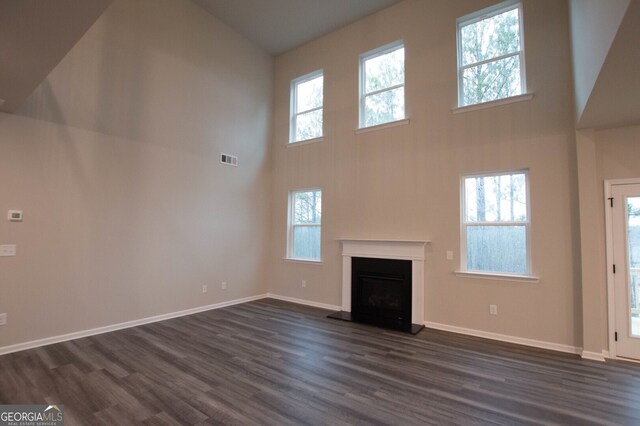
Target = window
(495,223)
(305,211)
(490,54)
(306,107)
(382,85)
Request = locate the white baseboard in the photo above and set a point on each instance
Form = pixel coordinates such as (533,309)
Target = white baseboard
(106,329)
(593,356)
(505,338)
(305,302)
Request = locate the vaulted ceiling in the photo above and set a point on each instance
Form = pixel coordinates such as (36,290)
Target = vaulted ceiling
(280,25)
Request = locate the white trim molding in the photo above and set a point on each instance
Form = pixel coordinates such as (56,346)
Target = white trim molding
(304,302)
(593,356)
(119,326)
(558,347)
(412,250)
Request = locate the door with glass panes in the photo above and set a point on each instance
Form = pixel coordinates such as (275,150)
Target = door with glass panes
(626,267)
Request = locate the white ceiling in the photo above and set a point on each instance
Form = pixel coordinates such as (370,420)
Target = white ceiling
(280,25)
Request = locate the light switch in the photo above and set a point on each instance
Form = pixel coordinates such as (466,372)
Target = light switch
(8,250)
(449,255)
(15,216)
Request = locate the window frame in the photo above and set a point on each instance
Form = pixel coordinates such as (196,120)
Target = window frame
(464,225)
(291,226)
(481,15)
(364,57)
(294,106)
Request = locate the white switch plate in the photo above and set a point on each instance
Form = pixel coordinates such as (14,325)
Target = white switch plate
(449,255)
(223,285)
(15,216)
(8,250)
(304,283)
(3,319)
(205,288)
(493,309)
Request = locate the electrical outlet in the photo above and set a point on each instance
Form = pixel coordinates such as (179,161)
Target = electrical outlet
(449,255)
(493,309)
(8,250)
(205,288)
(223,285)
(3,319)
(304,284)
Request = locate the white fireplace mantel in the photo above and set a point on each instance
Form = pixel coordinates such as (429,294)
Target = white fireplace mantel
(412,250)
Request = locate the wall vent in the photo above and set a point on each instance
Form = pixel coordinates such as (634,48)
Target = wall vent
(230,160)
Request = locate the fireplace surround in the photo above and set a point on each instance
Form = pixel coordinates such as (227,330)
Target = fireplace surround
(370,250)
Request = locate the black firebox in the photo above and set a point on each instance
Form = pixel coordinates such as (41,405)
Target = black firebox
(381,292)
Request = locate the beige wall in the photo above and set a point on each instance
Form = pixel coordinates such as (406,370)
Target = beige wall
(606,154)
(115,162)
(404,182)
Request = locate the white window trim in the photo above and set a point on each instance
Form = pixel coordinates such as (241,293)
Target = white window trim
(382,50)
(479,16)
(294,106)
(528,276)
(290,225)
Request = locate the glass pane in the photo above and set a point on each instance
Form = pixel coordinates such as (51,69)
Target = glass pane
(490,38)
(500,198)
(384,71)
(491,81)
(309,125)
(497,249)
(307,207)
(633,237)
(306,242)
(309,94)
(384,107)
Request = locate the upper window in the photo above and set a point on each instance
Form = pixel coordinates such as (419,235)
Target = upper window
(382,85)
(495,223)
(490,54)
(306,107)
(305,218)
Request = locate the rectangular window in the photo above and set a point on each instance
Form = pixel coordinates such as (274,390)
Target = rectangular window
(490,54)
(307,93)
(382,85)
(305,214)
(495,223)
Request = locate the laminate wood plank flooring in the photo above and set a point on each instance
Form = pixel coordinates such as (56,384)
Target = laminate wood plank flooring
(270,362)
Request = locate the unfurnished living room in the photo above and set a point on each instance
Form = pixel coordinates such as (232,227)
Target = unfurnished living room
(284,212)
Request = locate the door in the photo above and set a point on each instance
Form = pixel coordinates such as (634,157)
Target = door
(626,267)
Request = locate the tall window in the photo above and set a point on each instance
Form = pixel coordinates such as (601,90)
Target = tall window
(382,85)
(306,107)
(305,214)
(490,54)
(495,223)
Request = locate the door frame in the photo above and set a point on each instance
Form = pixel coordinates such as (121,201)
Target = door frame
(608,220)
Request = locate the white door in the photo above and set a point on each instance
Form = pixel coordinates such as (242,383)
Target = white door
(626,268)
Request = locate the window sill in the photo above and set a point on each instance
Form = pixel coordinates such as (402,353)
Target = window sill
(308,261)
(306,141)
(498,277)
(491,104)
(402,122)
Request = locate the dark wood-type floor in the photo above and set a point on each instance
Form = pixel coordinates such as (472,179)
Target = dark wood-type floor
(274,363)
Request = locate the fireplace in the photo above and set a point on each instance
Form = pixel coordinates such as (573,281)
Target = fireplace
(403,302)
(381,292)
